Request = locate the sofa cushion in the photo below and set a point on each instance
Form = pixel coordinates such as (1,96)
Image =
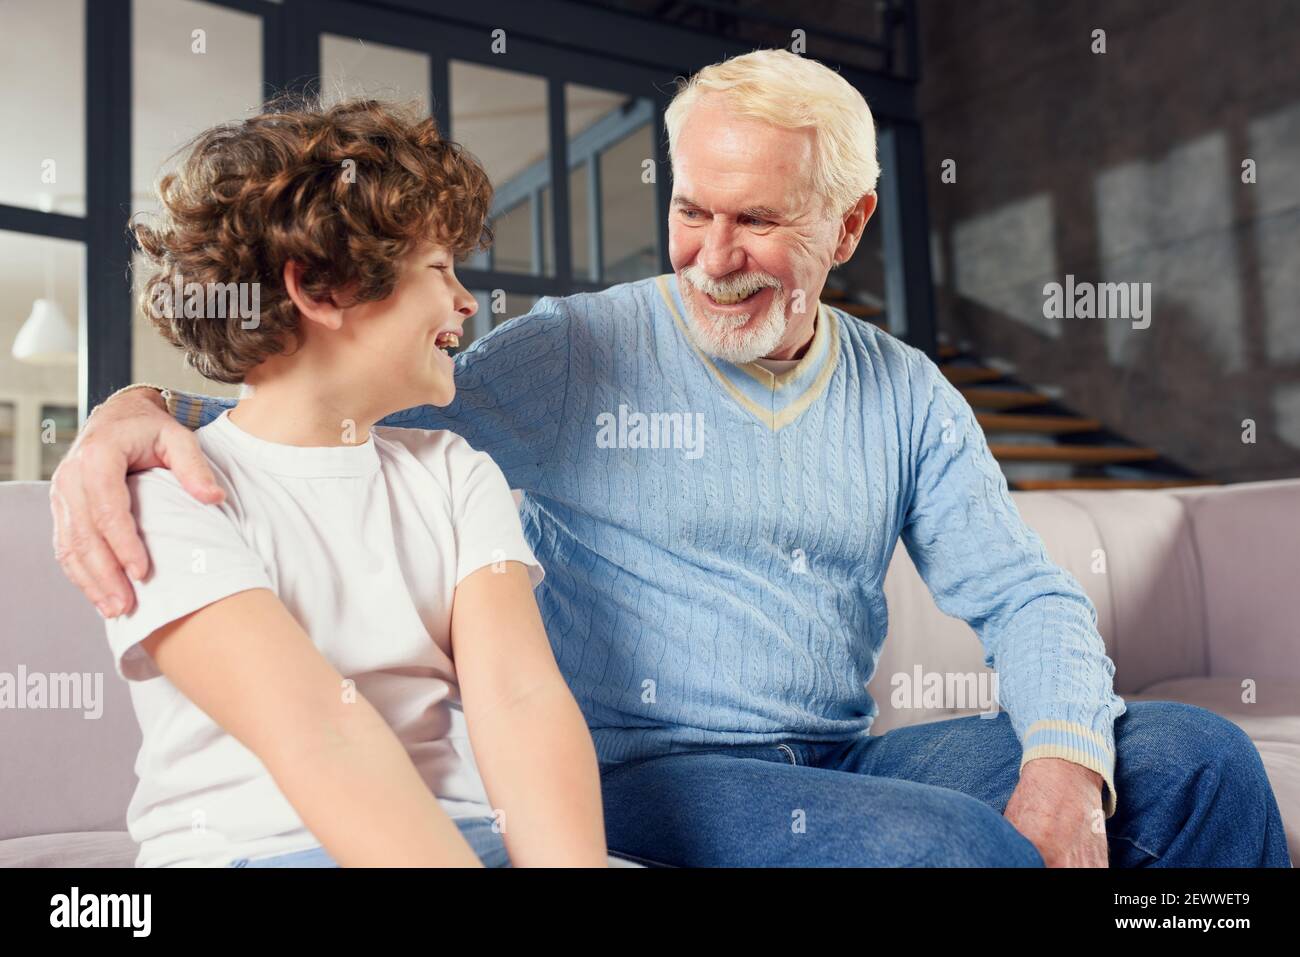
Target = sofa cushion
(75,849)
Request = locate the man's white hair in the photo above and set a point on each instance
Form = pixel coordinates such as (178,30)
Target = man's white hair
(792,92)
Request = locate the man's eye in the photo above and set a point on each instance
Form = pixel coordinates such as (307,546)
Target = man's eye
(690,213)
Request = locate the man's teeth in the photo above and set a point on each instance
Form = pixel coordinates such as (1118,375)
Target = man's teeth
(731,299)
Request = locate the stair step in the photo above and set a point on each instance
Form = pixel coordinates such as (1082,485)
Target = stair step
(1003,398)
(1036,485)
(1047,424)
(1075,454)
(970,375)
(1002,410)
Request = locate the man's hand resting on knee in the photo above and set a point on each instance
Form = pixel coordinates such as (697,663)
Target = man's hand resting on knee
(95,537)
(1057,805)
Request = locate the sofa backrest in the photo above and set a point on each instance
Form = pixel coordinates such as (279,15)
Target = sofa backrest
(1248,543)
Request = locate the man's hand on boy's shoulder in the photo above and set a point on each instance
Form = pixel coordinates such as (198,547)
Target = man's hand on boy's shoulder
(95,537)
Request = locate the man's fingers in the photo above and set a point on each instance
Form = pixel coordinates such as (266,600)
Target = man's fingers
(86,558)
(108,607)
(111,509)
(180,452)
(66,558)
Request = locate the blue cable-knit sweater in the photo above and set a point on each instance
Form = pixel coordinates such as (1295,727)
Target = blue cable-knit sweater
(715,576)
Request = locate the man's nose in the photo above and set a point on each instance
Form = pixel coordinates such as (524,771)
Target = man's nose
(720,254)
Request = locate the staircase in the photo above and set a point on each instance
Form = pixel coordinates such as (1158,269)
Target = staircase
(1040,443)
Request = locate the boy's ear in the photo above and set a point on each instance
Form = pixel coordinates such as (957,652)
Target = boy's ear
(323,311)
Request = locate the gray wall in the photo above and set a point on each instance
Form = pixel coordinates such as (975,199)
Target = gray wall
(1126,167)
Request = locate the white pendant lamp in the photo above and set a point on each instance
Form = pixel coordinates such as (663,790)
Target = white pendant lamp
(46,338)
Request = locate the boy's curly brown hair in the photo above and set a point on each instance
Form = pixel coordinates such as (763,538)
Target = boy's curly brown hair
(250,196)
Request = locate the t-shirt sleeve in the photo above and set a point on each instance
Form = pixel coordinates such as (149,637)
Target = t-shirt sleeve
(485,515)
(197,556)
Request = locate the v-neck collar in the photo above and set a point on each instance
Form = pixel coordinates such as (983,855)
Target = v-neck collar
(775,400)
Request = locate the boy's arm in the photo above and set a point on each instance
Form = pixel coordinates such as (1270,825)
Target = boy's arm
(529,737)
(247,663)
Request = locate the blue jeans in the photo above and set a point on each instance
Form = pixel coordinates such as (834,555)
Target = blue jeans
(1191,792)
(489,845)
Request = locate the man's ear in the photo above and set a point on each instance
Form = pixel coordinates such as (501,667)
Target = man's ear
(323,311)
(855,221)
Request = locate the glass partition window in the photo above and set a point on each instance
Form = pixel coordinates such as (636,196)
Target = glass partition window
(352,67)
(193,65)
(501,117)
(41,305)
(58,427)
(627,203)
(43,105)
(614,226)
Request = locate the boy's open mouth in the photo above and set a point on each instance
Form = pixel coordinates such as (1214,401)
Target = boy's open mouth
(446,341)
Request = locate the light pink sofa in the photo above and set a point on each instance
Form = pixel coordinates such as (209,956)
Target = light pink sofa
(1199,594)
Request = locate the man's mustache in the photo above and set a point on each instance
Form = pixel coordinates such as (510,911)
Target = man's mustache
(739,285)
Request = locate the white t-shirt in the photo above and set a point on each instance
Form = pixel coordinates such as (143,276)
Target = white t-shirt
(365,545)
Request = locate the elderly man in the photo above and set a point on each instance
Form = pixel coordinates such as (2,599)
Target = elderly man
(715,471)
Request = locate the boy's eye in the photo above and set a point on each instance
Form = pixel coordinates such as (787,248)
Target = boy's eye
(437,265)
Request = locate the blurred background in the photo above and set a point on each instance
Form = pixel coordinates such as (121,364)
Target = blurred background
(1016,150)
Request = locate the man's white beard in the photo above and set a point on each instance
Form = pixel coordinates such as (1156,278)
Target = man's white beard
(720,335)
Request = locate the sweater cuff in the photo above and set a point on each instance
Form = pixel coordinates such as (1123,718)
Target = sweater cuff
(194,411)
(1071,741)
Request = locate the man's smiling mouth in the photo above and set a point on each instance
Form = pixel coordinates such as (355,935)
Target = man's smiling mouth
(734,299)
